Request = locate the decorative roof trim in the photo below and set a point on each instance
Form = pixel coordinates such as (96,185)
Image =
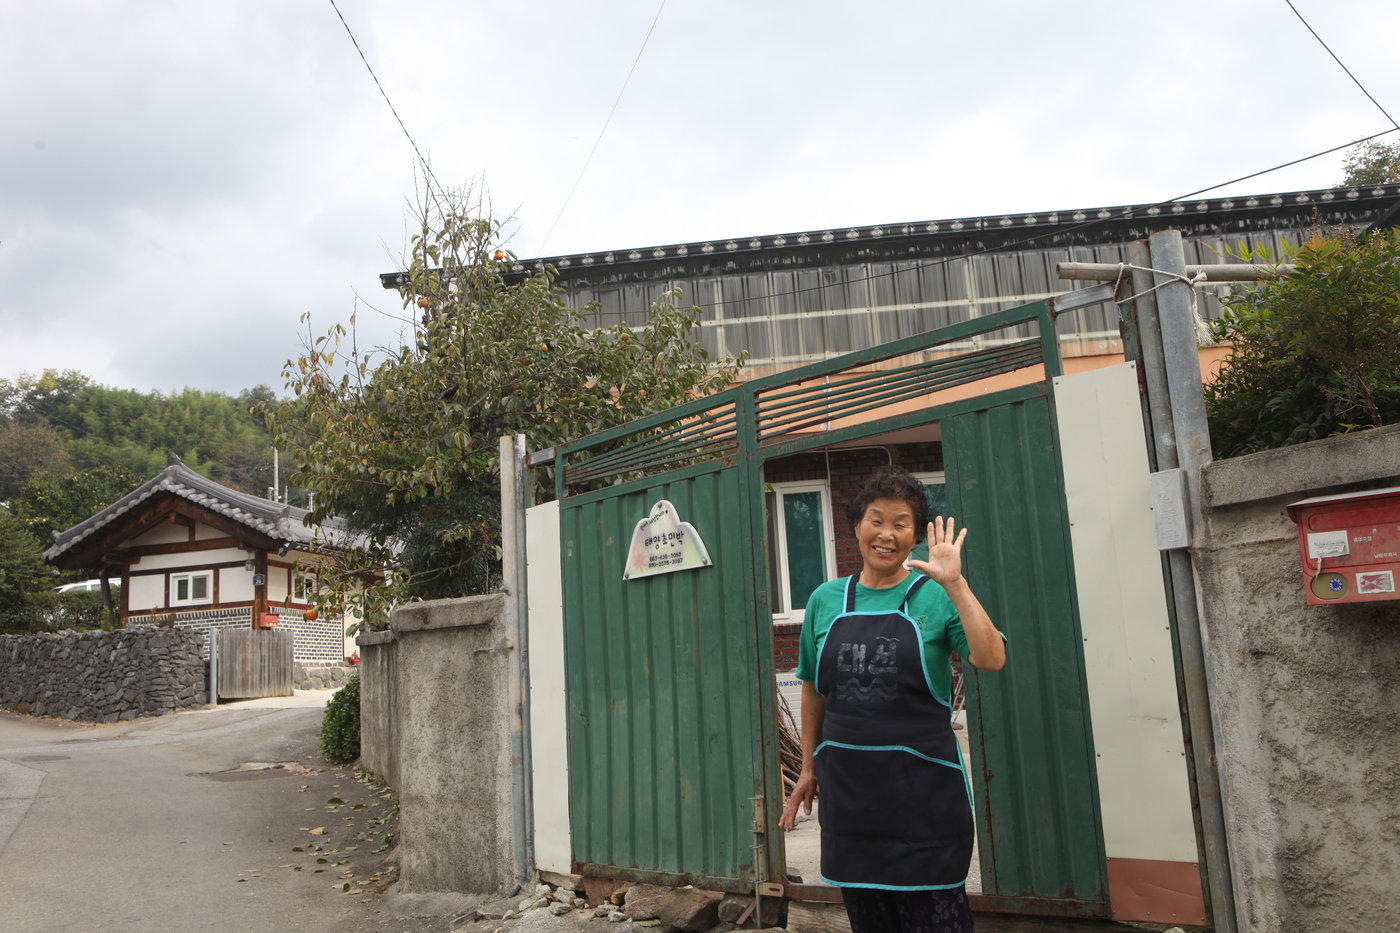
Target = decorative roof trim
(888,233)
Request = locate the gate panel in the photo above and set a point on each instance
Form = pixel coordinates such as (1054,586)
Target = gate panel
(1039,830)
(663,756)
(254,663)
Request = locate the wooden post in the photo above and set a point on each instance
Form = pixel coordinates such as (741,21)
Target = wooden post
(259,592)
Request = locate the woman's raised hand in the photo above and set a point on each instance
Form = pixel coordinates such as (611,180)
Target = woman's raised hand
(944,564)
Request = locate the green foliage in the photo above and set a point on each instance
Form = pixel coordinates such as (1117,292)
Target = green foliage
(82,610)
(340,725)
(23,577)
(52,502)
(48,611)
(218,435)
(1372,163)
(404,442)
(26,449)
(1314,354)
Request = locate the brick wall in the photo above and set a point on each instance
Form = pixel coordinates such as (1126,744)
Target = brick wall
(321,640)
(785,645)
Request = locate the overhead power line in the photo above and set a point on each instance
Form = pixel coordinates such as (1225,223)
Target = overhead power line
(416,151)
(625,81)
(1342,64)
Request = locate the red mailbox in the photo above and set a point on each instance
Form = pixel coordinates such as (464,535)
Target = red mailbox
(1350,546)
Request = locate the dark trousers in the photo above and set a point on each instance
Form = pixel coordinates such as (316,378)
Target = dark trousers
(874,911)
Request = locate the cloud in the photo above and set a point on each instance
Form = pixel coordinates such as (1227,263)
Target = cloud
(180,182)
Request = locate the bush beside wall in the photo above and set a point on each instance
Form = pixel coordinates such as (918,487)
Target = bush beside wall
(102,676)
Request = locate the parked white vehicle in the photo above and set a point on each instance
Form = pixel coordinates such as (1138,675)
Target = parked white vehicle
(85,585)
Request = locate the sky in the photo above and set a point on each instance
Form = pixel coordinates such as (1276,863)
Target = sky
(181,181)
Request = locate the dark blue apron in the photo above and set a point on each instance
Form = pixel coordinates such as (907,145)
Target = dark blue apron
(895,810)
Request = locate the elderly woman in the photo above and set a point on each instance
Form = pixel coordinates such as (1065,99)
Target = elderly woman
(877,736)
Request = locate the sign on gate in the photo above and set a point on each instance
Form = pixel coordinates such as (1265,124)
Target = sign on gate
(662,543)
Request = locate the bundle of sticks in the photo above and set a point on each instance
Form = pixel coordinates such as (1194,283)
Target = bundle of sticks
(789,745)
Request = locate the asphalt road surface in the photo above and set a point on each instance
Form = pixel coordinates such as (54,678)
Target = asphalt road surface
(221,819)
(227,819)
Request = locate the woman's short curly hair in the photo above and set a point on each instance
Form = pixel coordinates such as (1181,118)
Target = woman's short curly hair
(892,482)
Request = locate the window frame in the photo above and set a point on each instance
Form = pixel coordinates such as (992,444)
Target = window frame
(190,577)
(782,586)
(312,583)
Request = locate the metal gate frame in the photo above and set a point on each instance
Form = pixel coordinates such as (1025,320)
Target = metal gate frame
(732,434)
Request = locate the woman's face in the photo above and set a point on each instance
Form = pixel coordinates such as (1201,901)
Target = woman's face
(886,535)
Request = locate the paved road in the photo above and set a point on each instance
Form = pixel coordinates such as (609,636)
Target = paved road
(181,824)
(176,823)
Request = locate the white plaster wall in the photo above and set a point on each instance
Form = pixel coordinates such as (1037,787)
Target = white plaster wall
(235,585)
(146,592)
(187,559)
(548,714)
(1144,794)
(163,534)
(277,579)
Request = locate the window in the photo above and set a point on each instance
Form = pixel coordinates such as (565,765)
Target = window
(802,551)
(188,589)
(303,587)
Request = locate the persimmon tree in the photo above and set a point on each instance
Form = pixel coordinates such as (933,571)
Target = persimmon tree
(1316,353)
(402,443)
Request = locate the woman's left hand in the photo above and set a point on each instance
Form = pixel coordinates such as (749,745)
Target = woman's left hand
(944,564)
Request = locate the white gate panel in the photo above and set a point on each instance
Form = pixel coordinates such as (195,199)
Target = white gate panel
(548,716)
(1144,794)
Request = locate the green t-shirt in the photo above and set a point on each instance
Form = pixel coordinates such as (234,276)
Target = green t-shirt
(931,608)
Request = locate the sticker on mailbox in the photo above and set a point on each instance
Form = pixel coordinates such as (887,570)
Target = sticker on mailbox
(1328,544)
(1376,581)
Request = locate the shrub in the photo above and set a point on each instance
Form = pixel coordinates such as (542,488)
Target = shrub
(340,726)
(1314,354)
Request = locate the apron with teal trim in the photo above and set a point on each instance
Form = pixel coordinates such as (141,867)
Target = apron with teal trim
(895,809)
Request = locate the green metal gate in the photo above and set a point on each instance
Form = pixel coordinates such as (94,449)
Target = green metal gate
(665,758)
(1039,832)
(672,737)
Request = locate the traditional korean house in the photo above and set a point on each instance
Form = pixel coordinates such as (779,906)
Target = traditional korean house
(196,554)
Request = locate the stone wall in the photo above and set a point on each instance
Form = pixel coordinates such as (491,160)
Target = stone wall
(102,676)
(435,723)
(1305,698)
(312,676)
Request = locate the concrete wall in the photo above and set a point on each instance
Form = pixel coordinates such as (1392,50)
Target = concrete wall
(379,751)
(1306,699)
(435,722)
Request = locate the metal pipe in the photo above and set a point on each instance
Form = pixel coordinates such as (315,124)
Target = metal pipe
(1217,272)
(514,489)
(1190,452)
(213,697)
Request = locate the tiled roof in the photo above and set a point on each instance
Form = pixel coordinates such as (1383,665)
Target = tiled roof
(274,519)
